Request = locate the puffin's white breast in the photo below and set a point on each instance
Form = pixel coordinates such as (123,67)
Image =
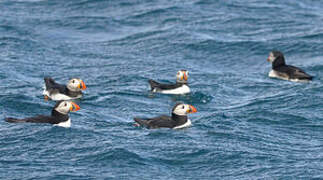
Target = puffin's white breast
(187,124)
(59,96)
(65,124)
(184,89)
(275,74)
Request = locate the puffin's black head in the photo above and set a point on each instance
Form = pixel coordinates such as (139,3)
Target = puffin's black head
(276,58)
(183,109)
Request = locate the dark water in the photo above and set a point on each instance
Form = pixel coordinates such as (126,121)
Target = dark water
(248,125)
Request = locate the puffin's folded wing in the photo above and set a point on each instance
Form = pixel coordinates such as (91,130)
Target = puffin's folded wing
(295,72)
(300,74)
(160,86)
(36,119)
(157,122)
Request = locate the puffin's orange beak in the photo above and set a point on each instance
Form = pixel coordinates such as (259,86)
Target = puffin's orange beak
(185,76)
(192,109)
(82,85)
(74,107)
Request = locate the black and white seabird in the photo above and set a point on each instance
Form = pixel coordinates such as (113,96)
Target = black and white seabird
(57,92)
(180,87)
(59,116)
(282,71)
(177,120)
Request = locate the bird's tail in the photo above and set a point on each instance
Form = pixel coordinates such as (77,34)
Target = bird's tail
(310,78)
(141,122)
(14,120)
(49,82)
(153,84)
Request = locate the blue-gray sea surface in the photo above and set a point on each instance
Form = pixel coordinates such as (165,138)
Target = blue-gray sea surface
(248,126)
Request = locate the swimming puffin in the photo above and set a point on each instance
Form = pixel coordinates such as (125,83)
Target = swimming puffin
(177,120)
(59,116)
(282,71)
(180,87)
(57,92)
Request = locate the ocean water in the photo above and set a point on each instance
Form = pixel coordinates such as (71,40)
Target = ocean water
(248,126)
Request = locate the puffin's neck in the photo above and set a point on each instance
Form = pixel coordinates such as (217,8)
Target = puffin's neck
(72,93)
(179,119)
(279,61)
(58,115)
(181,82)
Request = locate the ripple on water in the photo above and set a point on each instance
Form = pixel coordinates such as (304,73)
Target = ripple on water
(247,125)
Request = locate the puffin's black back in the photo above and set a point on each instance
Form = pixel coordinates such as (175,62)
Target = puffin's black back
(160,86)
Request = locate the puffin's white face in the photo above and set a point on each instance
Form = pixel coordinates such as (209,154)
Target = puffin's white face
(271,58)
(76,85)
(65,107)
(182,76)
(184,109)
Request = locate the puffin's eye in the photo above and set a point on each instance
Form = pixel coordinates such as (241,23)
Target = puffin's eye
(183,107)
(73,81)
(65,104)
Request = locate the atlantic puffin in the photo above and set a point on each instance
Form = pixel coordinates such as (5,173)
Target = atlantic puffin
(177,120)
(57,92)
(282,71)
(180,87)
(59,116)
